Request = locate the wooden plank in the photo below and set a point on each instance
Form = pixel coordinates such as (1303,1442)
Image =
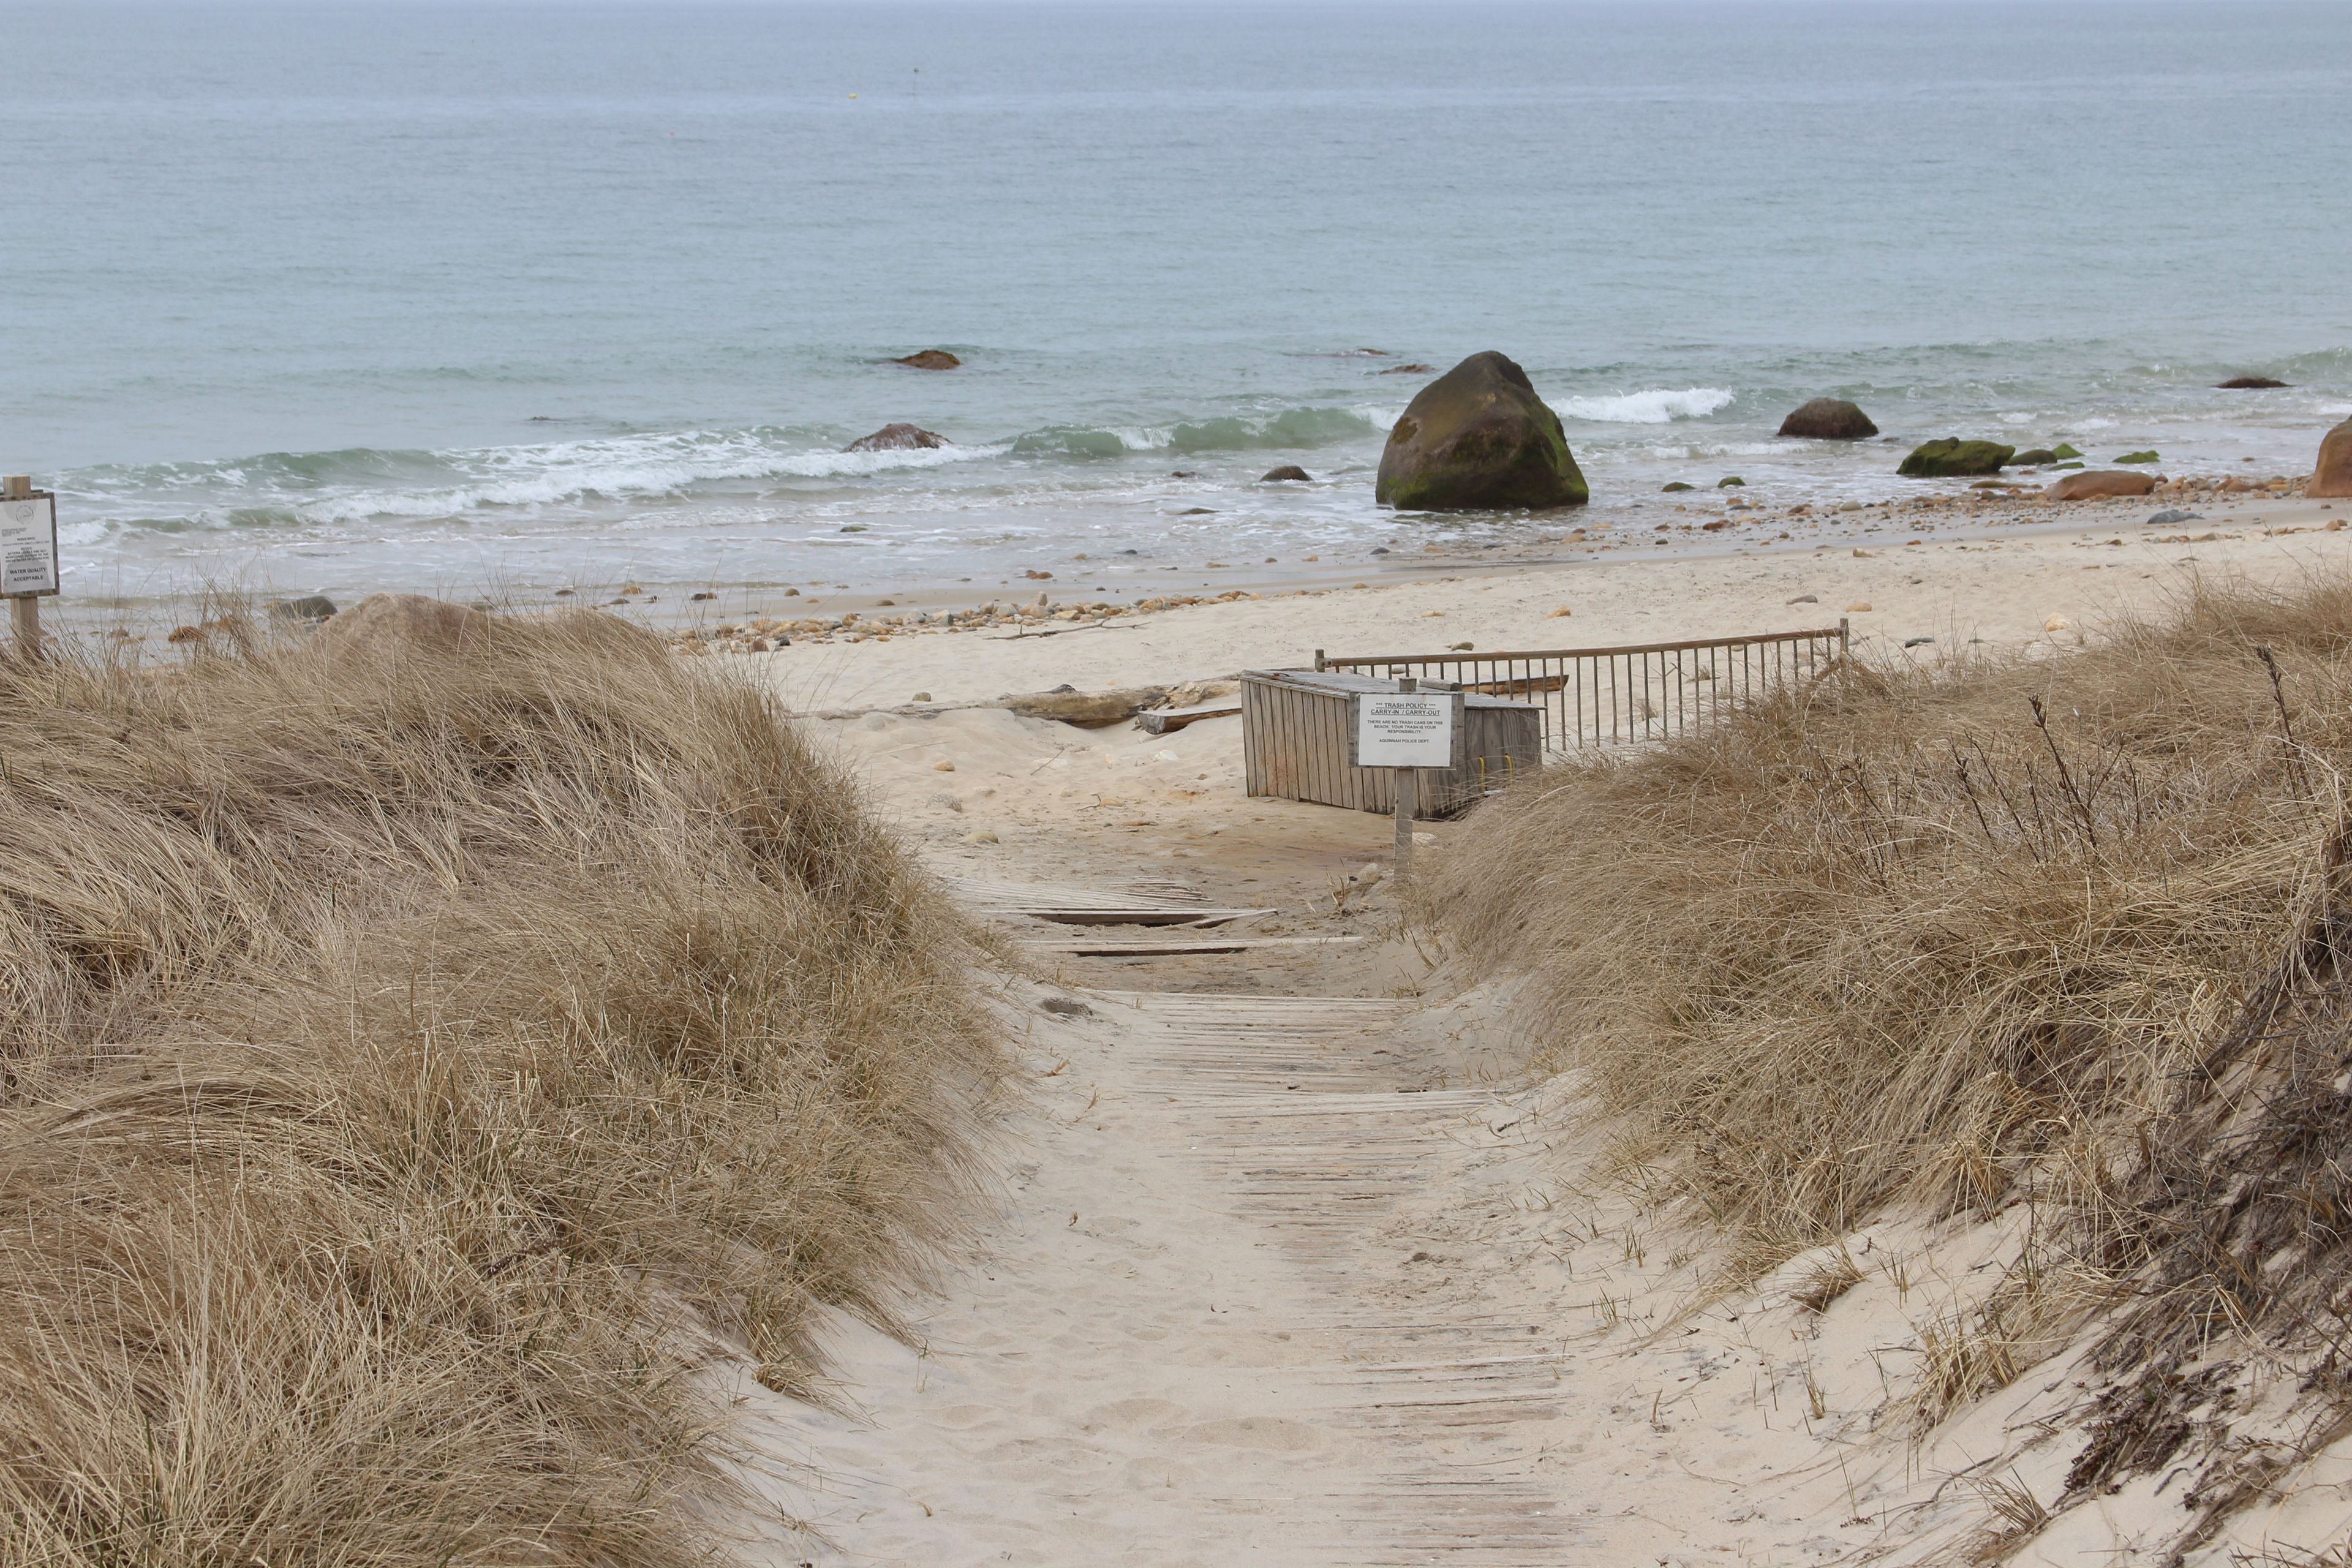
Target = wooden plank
(1167,721)
(1518,685)
(1140,892)
(1177,947)
(1143,917)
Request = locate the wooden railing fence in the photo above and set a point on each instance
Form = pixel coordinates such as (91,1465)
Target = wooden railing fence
(1618,695)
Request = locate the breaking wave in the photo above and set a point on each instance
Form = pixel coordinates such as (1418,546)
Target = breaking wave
(355,484)
(1658,406)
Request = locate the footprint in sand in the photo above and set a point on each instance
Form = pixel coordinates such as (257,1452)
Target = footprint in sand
(962,1418)
(1267,1434)
(1133,1413)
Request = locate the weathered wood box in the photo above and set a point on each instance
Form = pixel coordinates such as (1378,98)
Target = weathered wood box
(1296,732)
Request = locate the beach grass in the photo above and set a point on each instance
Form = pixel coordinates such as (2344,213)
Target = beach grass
(421,1059)
(1926,933)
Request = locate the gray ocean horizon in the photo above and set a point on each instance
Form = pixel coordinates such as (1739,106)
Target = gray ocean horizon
(399,295)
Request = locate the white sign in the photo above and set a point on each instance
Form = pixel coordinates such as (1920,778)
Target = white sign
(1405,730)
(28,546)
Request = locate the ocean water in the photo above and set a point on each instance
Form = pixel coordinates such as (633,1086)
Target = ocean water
(379,294)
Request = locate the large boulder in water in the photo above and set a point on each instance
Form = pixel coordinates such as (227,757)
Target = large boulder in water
(1478,439)
(1828,419)
(2334,475)
(2101,484)
(1952,458)
(898,438)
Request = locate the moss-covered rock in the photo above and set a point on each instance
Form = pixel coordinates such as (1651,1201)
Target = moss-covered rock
(2039,454)
(1951,458)
(2147,457)
(1678,485)
(1731,482)
(2064,450)
(1479,438)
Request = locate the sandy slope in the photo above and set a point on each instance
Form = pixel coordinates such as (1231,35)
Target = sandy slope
(1283,1265)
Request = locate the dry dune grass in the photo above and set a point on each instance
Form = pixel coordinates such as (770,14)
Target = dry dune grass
(1917,935)
(418,1051)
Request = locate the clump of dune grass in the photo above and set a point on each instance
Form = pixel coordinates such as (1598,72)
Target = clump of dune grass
(417,1058)
(1914,933)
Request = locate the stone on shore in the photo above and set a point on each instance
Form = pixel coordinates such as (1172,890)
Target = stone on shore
(2333,476)
(2100,484)
(929,359)
(1828,419)
(1289,473)
(1479,438)
(2248,384)
(2033,459)
(309,608)
(1951,458)
(899,438)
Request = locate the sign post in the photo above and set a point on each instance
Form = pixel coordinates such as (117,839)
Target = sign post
(1408,731)
(28,558)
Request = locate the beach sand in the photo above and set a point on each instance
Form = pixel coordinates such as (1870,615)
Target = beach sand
(2001,586)
(1283,1260)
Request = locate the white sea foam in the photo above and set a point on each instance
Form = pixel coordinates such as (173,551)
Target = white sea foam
(1658,406)
(630,467)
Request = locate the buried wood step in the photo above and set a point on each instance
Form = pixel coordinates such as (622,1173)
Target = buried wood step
(1174,947)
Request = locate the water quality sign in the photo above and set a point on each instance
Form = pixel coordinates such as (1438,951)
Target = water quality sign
(1406,729)
(28,545)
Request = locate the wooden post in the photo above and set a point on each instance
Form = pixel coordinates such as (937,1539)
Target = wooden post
(24,612)
(1401,861)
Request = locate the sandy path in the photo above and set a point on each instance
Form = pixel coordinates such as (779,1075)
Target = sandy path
(1174,1349)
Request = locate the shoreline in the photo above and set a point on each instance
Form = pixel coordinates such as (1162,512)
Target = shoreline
(1395,547)
(1997,586)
